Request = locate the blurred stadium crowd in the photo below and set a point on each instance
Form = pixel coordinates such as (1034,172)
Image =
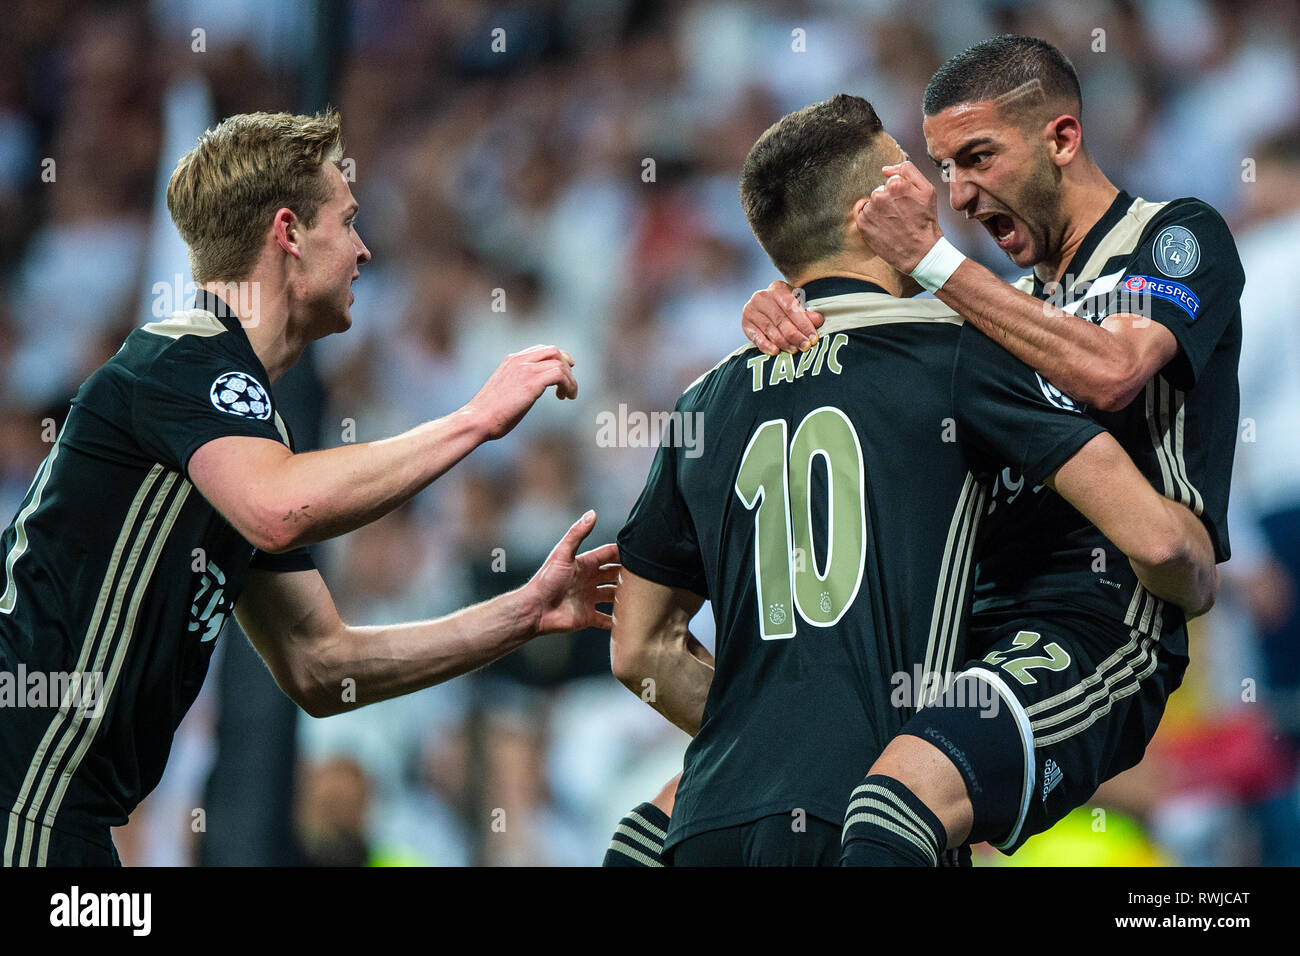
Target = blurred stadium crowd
(579,188)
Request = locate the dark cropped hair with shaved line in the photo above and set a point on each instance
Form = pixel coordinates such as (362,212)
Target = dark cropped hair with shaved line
(1028,71)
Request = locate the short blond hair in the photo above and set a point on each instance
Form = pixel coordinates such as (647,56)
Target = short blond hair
(225,190)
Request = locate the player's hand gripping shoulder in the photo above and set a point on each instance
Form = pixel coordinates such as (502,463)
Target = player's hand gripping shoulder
(775,320)
(901,223)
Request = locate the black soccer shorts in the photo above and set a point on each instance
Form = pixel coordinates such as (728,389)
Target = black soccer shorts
(1080,697)
(782,839)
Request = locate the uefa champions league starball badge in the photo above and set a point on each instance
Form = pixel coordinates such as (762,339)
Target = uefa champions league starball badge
(238,393)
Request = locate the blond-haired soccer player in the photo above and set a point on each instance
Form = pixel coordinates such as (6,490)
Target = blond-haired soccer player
(173,494)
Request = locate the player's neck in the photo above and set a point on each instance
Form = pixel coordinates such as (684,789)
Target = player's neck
(265,320)
(875,271)
(1086,201)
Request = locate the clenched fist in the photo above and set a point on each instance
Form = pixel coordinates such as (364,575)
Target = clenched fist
(900,220)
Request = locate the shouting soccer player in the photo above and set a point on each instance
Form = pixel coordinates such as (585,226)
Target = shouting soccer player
(1130,314)
(173,494)
(831,519)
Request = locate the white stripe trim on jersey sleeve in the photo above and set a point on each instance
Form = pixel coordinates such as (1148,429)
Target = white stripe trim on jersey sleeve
(1153,430)
(1197,503)
(1166,439)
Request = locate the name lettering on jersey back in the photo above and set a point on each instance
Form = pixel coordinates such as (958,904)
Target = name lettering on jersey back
(787,367)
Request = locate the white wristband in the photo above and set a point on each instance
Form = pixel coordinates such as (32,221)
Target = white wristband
(937,266)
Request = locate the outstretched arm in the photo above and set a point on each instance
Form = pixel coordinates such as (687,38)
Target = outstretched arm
(279,500)
(328,667)
(653,653)
(1165,542)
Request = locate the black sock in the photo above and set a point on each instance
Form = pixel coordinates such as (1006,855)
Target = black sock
(886,825)
(957,857)
(639,838)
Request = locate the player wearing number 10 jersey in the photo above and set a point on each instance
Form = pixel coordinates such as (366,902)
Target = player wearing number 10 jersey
(1155,362)
(831,515)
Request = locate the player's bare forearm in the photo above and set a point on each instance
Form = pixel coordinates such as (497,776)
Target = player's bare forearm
(1168,546)
(278,500)
(327,493)
(1083,360)
(901,224)
(680,673)
(327,667)
(1103,366)
(389,661)
(363,665)
(1187,574)
(653,653)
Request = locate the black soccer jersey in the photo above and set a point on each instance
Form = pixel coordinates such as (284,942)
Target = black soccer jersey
(117,576)
(1175,263)
(827,510)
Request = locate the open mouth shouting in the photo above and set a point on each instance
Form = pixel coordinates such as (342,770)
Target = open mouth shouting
(1004,229)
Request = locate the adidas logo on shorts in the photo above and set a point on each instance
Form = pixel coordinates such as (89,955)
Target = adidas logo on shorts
(1051,777)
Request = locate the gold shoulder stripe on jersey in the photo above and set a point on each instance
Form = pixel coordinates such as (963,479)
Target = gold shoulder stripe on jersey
(190,322)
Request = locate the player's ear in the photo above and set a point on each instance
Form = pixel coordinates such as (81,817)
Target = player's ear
(855,230)
(287,227)
(856,220)
(1064,137)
